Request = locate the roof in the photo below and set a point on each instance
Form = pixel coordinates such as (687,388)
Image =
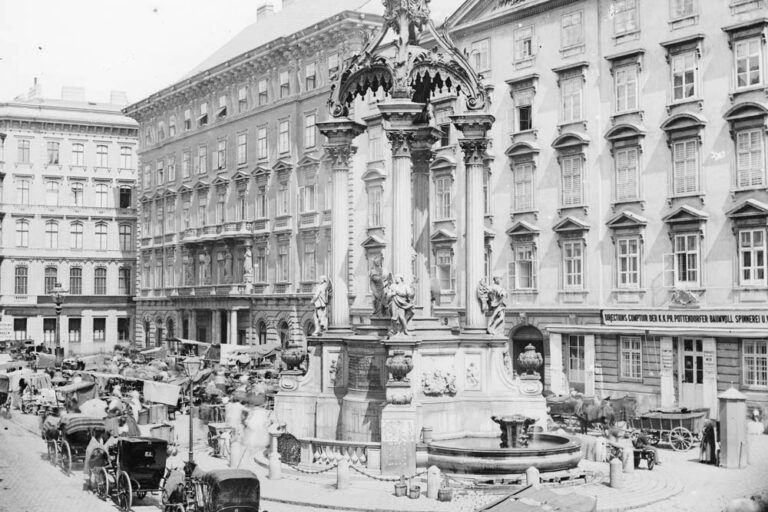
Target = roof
(220,475)
(66,112)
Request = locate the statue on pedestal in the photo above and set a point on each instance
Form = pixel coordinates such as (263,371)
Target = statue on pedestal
(399,296)
(376,282)
(188,264)
(228,268)
(492,299)
(248,266)
(205,267)
(320,301)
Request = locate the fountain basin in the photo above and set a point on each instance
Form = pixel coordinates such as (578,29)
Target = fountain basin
(482,455)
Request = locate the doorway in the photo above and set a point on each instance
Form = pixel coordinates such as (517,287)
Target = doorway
(691,373)
(521,338)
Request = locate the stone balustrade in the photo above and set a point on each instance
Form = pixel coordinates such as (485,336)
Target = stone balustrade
(323,452)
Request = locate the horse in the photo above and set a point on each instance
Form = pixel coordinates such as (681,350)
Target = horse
(593,410)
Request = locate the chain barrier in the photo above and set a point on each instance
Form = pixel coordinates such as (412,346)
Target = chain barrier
(310,472)
(387,478)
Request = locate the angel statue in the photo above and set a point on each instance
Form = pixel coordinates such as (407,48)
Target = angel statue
(492,299)
(399,296)
(320,300)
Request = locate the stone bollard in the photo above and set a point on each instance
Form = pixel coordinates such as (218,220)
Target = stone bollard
(616,478)
(433,482)
(532,476)
(628,459)
(342,475)
(236,453)
(275,471)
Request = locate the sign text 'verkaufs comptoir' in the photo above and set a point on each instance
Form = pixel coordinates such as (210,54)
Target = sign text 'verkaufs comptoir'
(744,319)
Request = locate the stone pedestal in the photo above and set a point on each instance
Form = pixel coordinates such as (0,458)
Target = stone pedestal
(398,440)
(733,428)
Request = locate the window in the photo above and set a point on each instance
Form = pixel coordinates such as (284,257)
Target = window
(242,205)
(52,193)
(285,84)
(203,119)
(309,263)
(125,197)
(375,143)
(75,329)
(187,119)
(626,174)
(686,257)
(160,170)
(628,263)
(261,203)
(53,153)
(685,167)
(20,328)
(202,206)
(261,142)
(78,154)
(171,168)
(76,281)
(22,233)
(23,153)
(242,99)
(221,155)
(100,281)
(522,268)
(571,30)
(124,281)
(283,263)
(307,197)
(161,130)
(49,330)
(221,208)
(101,236)
(260,265)
(283,207)
(186,204)
(573,265)
(172,126)
(263,95)
(625,79)
(76,235)
(21,282)
(752,257)
(310,131)
(170,216)
(284,137)
(480,55)
(445,272)
(50,278)
(202,159)
(749,159)
(571,90)
(310,76)
(631,357)
(221,113)
(22,191)
(684,71)
(102,156)
(147,176)
(523,187)
(52,234)
(159,217)
(681,8)
(523,110)
(748,62)
(624,16)
(77,194)
(126,237)
(524,43)
(576,358)
(186,160)
(126,157)
(374,207)
(333,64)
(572,181)
(242,148)
(99,329)
(755,362)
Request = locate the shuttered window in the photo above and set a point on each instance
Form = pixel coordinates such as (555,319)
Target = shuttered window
(572,182)
(628,262)
(631,358)
(752,257)
(756,363)
(748,62)
(522,267)
(571,99)
(626,174)
(523,187)
(573,265)
(686,260)
(685,177)
(749,159)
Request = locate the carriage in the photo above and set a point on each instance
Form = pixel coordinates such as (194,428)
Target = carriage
(680,429)
(5,394)
(221,490)
(133,465)
(68,442)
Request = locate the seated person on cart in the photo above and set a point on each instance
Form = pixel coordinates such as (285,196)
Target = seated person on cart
(643,443)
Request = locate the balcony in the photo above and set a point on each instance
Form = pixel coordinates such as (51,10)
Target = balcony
(308,220)
(283,223)
(260,225)
(190,234)
(282,288)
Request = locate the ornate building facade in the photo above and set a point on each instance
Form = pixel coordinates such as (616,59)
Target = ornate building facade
(67,211)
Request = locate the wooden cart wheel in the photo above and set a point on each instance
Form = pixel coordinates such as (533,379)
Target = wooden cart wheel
(124,492)
(51,451)
(66,458)
(681,439)
(651,463)
(102,483)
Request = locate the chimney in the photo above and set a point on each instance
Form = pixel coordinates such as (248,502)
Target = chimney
(118,98)
(36,91)
(264,11)
(70,93)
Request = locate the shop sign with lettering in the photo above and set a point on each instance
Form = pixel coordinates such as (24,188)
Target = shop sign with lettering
(747,319)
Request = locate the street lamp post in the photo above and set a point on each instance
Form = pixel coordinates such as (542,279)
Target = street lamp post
(58,299)
(192,366)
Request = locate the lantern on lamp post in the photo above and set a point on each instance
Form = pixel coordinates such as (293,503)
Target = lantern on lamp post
(192,366)
(57,295)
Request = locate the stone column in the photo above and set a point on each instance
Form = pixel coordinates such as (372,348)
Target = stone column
(192,325)
(474,128)
(215,326)
(233,327)
(589,365)
(421,157)
(556,381)
(340,134)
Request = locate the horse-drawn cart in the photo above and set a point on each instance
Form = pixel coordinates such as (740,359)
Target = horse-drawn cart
(679,429)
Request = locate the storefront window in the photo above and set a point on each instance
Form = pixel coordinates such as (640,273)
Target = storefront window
(631,357)
(576,358)
(756,363)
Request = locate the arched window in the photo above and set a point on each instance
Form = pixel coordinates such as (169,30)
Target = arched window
(126,237)
(75,281)
(76,235)
(102,195)
(21,280)
(77,194)
(52,234)
(52,193)
(22,191)
(22,233)
(169,329)
(283,333)
(100,281)
(261,332)
(101,236)
(50,278)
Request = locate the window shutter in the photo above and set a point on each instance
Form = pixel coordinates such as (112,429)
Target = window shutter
(669,270)
(567,171)
(534,267)
(578,191)
(691,167)
(511,275)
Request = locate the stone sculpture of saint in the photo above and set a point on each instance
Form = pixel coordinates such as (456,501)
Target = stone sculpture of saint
(205,260)
(399,296)
(376,281)
(188,266)
(492,300)
(320,300)
(228,268)
(248,265)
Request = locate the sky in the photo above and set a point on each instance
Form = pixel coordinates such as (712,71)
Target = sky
(136,46)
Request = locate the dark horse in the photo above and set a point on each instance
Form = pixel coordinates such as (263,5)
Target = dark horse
(591,411)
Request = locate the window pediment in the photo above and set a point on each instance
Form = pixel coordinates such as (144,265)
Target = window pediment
(239,176)
(627,220)
(374,174)
(443,236)
(570,140)
(625,131)
(523,82)
(683,125)
(282,166)
(184,189)
(443,163)
(522,229)
(169,194)
(745,30)
(202,185)
(570,225)
(686,214)
(220,181)
(488,235)
(683,44)
(373,242)
(748,209)
(308,161)
(627,58)
(745,112)
(261,172)
(522,149)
